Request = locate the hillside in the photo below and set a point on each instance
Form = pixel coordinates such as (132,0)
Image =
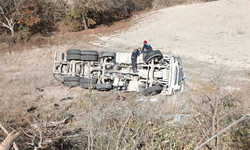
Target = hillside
(216,32)
(211,38)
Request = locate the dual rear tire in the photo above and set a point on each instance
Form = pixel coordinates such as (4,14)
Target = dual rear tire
(104,86)
(88,83)
(89,55)
(84,55)
(72,81)
(77,81)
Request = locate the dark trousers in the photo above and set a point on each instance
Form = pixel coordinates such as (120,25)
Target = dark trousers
(134,64)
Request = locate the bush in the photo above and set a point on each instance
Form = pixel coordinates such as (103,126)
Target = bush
(49,14)
(108,11)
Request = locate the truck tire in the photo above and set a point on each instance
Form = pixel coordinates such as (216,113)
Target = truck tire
(89,52)
(107,54)
(154,54)
(73,57)
(88,80)
(89,58)
(152,89)
(71,79)
(73,52)
(88,83)
(104,86)
(72,84)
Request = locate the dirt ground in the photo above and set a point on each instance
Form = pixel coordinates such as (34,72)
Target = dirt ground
(211,38)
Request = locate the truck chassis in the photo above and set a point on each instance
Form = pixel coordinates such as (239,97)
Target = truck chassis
(157,73)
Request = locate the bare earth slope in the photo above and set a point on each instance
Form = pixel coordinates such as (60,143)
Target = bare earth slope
(217,32)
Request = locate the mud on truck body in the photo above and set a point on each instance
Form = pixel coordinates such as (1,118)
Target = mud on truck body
(157,73)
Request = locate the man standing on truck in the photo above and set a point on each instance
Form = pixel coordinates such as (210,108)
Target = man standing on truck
(147,48)
(134,56)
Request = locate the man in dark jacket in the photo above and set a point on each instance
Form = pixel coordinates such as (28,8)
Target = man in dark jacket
(134,56)
(147,48)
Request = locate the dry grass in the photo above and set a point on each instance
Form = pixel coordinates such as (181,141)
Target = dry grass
(97,112)
(29,90)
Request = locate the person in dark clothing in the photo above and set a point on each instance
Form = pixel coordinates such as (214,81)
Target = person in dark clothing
(147,48)
(134,56)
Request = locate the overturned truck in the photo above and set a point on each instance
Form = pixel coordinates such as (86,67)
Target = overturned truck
(157,73)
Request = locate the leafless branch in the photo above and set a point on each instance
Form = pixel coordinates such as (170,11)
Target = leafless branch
(6,132)
(10,19)
(53,124)
(119,136)
(2,12)
(7,143)
(223,130)
(206,133)
(139,139)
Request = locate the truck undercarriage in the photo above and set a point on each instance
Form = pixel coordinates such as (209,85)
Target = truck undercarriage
(157,73)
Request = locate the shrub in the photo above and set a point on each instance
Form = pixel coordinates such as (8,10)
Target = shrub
(29,14)
(108,11)
(48,16)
